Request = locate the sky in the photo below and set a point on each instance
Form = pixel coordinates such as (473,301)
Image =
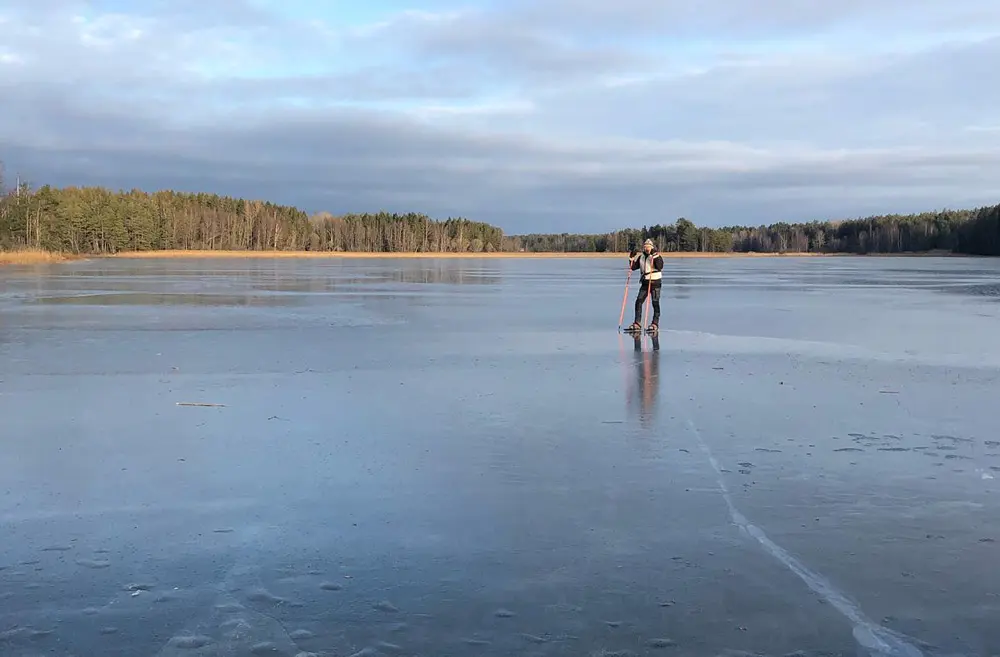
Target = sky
(533,115)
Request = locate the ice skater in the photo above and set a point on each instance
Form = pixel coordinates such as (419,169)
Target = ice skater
(650,263)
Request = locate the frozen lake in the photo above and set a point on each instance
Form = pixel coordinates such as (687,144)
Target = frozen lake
(464,457)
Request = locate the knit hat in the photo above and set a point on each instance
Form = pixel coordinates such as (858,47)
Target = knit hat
(648,242)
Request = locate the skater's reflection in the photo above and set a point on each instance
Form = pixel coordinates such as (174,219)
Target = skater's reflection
(646,384)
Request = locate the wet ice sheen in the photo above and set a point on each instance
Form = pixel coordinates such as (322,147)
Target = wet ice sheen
(458,457)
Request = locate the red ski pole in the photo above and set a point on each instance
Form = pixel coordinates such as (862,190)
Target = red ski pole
(628,278)
(649,296)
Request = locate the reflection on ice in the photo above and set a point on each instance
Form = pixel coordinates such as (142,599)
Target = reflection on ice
(644,382)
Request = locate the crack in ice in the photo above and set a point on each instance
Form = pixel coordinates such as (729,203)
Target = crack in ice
(877,640)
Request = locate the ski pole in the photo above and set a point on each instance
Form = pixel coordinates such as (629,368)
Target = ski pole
(649,289)
(621,318)
(649,296)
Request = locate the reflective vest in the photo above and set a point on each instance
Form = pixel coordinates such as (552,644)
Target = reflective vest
(646,267)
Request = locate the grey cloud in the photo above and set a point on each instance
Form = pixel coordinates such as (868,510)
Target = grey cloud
(543,45)
(924,98)
(162,53)
(535,52)
(354,162)
(371,84)
(497,45)
(161,44)
(444,81)
(187,14)
(753,19)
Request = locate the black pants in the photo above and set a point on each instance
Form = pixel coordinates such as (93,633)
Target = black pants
(645,291)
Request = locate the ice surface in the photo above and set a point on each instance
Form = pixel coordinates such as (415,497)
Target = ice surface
(458,457)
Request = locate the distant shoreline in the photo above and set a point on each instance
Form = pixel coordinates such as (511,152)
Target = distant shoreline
(501,254)
(39,256)
(429,254)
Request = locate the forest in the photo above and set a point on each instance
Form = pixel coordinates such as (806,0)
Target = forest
(98,221)
(969,232)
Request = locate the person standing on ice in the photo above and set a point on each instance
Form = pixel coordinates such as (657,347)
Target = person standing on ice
(650,264)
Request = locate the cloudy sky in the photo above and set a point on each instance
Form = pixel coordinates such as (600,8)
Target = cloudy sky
(536,115)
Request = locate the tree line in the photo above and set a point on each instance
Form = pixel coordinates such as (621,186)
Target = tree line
(95,220)
(98,221)
(972,232)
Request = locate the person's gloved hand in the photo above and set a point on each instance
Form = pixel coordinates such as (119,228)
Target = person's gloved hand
(633,253)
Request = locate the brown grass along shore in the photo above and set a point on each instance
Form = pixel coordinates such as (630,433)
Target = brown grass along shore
(32,257)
